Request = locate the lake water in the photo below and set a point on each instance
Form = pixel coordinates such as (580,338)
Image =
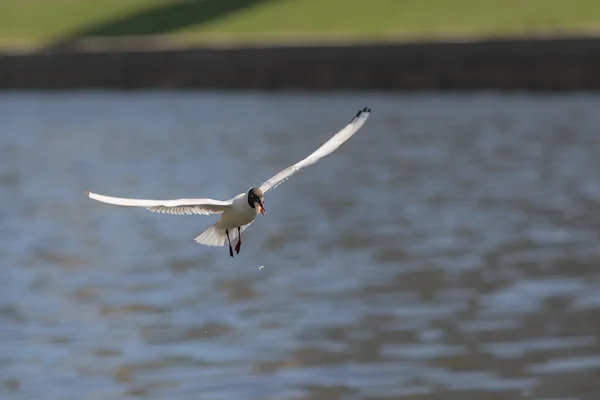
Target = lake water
(449,250)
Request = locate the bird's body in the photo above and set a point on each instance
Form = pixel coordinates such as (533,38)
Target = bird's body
(230,225)
(237,213)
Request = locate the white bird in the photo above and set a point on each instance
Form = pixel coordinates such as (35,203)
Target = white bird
(239,212)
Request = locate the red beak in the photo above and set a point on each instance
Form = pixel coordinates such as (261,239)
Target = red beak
(262,209)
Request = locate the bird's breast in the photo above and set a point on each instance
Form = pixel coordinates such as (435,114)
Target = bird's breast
(237,215)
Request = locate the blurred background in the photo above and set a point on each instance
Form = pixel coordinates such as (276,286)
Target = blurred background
(449,250)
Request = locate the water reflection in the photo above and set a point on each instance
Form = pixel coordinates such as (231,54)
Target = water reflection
(449,249)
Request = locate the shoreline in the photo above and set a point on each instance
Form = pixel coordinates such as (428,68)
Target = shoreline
(538,63)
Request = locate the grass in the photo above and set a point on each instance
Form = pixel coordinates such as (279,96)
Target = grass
(41,22)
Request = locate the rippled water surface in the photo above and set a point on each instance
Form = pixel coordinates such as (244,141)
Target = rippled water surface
(449,250)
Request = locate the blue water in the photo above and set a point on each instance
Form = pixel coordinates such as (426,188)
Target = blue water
(449,250)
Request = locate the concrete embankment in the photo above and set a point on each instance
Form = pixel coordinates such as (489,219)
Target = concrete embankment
(516,64)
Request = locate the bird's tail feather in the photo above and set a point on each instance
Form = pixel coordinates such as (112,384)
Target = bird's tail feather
(215,236)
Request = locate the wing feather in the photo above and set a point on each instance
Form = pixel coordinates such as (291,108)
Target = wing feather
(173,207)
(329,147)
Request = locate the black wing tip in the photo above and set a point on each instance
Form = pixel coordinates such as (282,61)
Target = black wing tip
(364,110)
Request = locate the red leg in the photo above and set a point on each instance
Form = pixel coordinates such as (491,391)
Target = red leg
(239,243)
(230,249)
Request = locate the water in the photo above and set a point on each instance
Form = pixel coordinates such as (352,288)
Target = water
(449,250)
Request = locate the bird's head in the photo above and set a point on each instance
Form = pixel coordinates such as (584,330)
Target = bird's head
(256,198)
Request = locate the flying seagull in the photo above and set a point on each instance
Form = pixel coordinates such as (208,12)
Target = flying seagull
(239,212)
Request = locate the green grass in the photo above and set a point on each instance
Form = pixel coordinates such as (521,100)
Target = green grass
(41,22)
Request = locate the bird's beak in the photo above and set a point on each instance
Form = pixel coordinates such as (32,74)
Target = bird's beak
(262,208)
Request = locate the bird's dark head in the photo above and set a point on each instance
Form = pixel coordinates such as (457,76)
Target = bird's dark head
(256,198)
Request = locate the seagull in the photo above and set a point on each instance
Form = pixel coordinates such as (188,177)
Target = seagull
(237,213)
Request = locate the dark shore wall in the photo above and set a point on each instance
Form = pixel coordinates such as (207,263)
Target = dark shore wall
(527,64)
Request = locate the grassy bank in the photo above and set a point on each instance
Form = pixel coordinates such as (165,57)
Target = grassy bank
(42,22)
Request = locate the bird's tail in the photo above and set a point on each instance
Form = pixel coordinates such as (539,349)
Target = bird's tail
(213,236)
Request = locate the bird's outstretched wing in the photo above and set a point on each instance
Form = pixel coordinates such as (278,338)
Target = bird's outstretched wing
(329,147)
(174,207)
